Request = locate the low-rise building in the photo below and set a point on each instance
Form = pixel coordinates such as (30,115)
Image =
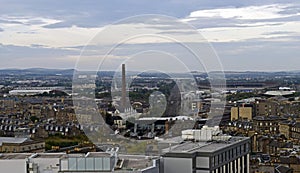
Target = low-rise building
(291,162)
(20,145)
(285,128)
(84,163)
(267,124)
(295,131)
(267,107)
(241,113)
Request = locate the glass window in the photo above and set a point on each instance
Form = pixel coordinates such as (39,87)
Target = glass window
(72,164)
(227,155)
(222,158)
(90,164)
(234,152)
(80,164)
(106,163)
(98,164)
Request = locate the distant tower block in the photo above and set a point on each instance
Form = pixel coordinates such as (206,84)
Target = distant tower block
(123,101)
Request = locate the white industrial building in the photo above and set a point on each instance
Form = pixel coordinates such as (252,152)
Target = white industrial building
(107,162)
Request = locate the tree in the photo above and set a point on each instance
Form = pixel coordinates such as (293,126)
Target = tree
(34,119)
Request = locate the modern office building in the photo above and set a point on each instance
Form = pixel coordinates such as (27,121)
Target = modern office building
(221,154)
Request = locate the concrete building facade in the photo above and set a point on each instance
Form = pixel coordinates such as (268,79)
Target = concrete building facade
(208,157)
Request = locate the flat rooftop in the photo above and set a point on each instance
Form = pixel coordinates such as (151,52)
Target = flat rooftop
(99,154)
(11,156)
(136,162)
(50,155)
(129,162)
(205,147)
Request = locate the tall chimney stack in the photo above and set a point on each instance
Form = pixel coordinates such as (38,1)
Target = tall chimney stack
(123,101)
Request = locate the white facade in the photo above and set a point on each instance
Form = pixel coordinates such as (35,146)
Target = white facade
(13,166)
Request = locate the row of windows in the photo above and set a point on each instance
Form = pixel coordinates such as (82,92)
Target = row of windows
(235,166)
(33,147)
(296,135)
(91,164)
(296,129)
(7,149)
(271,129)
(229,154)
(267,124)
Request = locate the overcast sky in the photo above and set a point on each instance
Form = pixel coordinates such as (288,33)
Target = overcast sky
(246,35)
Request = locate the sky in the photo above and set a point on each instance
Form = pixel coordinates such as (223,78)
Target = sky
(246,35)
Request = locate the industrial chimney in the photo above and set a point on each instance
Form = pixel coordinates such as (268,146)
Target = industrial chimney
(123,101)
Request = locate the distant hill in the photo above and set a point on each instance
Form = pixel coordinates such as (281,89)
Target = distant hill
(70,72)
(36,71)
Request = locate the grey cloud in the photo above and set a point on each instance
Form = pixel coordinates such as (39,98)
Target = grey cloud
(291,9)
(275,40)
(33,51)
(295,18)
(26,32)
(58,25)
(37,46)
(204,23)
(178,32)
(279,32)
(259,55)
(34,22)
(215,22)
(100,13)
(29,21)
(9,22)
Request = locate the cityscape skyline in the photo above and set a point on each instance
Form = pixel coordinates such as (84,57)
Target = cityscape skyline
(150,86)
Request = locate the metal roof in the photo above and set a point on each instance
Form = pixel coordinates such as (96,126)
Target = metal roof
(12,140)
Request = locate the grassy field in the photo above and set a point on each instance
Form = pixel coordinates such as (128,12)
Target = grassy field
(63,141)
